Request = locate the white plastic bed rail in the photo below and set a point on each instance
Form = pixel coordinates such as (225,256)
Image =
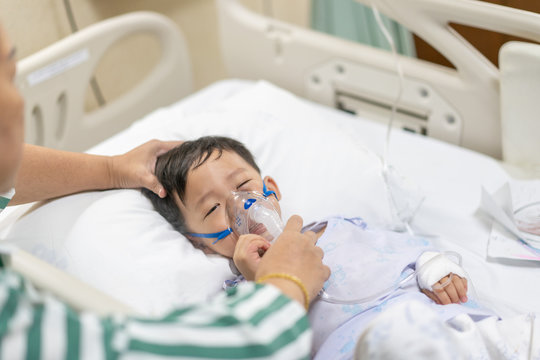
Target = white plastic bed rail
(65,287)
(460,106)
(54,82)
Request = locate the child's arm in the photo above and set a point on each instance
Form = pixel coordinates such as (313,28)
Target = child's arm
(442,280)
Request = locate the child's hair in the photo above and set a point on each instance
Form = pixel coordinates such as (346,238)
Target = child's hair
(173,167)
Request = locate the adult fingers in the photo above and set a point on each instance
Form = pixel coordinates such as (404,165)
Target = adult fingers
(156,149)
(152,183)
(294,224)
(319,251)
(311,236)
(326,272)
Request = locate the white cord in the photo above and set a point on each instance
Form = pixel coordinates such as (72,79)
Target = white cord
(392,181)
(399,72)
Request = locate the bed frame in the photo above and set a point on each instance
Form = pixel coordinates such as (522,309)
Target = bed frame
(460,106)
(54,82)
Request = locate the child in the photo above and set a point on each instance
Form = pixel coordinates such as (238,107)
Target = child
(199,177)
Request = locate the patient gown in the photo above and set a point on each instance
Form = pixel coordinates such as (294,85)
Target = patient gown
(365,262)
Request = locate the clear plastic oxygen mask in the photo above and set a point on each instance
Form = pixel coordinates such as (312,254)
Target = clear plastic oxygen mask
(250,212)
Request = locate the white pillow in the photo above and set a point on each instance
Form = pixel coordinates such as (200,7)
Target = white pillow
(115,241)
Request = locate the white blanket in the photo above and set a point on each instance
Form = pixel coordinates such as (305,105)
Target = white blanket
(414,331)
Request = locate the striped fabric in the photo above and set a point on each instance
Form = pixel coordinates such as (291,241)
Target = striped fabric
(250,322)
(5,198)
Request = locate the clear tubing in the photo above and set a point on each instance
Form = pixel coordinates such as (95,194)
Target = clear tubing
(399,71)
(324,296)
(394,184)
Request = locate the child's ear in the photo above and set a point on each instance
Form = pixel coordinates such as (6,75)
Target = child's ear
(271,185)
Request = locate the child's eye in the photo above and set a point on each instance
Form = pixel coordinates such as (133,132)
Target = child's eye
(242,184)
(211,210)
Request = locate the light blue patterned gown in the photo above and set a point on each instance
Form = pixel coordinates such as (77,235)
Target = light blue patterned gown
(364,262)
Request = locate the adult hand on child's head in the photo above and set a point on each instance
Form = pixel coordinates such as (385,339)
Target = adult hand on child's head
(135,169)
(295,254)
(453,292)
(248,252)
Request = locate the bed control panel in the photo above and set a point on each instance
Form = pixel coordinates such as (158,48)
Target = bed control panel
(370,93)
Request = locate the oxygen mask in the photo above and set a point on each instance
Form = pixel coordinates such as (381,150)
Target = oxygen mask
(250,212)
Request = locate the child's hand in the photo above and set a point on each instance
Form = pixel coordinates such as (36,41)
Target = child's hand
(248,252)
(453,293)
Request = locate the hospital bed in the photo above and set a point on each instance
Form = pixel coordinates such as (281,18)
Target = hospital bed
(114,240)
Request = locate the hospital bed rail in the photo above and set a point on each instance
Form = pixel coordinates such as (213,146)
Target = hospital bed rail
(460,106)
(54,82)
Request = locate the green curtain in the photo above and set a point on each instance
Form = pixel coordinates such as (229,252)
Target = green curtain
(354,21)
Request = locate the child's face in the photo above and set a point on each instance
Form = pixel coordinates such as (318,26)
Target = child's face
(207,190)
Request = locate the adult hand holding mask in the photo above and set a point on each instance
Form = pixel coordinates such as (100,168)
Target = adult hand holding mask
(293,253)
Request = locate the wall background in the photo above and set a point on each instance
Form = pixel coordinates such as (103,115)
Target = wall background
(35,24)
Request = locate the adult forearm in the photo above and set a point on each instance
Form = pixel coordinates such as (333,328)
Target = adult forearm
(48,173)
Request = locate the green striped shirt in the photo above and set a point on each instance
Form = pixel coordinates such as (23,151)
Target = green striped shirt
(5,198)
(250,322)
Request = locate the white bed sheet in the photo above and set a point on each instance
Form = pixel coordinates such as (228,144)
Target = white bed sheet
(331,169)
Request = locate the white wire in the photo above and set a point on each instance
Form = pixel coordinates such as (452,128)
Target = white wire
(399,72)
(386,153)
